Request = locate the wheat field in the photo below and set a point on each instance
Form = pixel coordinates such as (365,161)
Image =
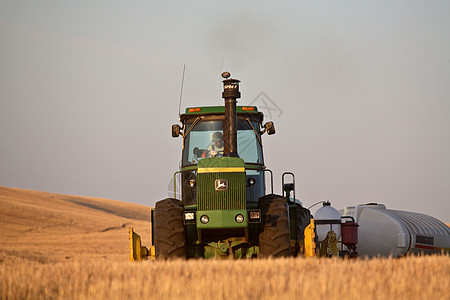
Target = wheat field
(70,247)
(47,227)
(406,278)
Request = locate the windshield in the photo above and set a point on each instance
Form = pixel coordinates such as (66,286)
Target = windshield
(206,140)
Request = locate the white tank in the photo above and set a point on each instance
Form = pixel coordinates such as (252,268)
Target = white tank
(327,218)
(395,233)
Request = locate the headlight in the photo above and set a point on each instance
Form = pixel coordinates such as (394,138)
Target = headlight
(239,218)
(204,219)
(189,216)
(255,215)
(192,183)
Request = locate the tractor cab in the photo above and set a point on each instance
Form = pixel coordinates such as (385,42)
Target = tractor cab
(204,138)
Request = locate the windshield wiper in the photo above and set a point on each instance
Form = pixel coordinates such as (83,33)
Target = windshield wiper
(184,134)
(192,126)
(254,130)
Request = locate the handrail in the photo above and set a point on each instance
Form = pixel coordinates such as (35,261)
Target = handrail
(271,178)
(282,183)
(175,181)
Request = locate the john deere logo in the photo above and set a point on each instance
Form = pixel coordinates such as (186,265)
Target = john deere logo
(221,185)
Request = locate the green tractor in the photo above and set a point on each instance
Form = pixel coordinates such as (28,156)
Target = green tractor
(224,210)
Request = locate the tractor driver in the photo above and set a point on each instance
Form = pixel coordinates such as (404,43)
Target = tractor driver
(216,149)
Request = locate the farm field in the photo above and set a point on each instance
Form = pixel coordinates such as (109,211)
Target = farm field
(47,228)
(408,278)
(70,247)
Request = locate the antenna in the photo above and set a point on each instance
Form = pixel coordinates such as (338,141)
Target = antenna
(181,91)
(221,70)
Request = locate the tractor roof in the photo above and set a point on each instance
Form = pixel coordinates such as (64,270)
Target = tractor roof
(218,110)
(251,111)
(200,110)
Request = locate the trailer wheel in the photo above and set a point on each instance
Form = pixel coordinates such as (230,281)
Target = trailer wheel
(274,237)
(170,237)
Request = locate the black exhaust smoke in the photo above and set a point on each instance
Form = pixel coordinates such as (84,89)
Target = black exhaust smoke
(230,95)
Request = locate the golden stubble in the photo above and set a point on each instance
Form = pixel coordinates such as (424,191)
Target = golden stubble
(294,278)
(46,227)
(70,247)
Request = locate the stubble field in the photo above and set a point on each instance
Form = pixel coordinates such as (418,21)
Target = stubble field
(69,247)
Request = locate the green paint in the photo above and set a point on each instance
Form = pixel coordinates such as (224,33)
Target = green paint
(191,207)
(189,168)
(221,162)
(221,219)
(233,197)
(236,248)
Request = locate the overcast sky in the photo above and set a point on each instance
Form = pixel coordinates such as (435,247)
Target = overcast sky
(359,92)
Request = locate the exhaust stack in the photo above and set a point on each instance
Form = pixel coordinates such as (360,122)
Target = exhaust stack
(230,95)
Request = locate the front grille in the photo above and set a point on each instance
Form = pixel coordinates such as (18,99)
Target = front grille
(210,199)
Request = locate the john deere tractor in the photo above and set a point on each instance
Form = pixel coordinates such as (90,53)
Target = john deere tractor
(225,210)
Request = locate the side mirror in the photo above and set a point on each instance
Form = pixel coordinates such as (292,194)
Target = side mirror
(269,128)
(176,129)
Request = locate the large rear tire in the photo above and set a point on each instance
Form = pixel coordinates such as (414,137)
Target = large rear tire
(274,237)
(170,236)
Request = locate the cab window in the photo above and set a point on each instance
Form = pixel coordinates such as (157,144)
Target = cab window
(199,143)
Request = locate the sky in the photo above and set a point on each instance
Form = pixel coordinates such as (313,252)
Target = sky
(359,92)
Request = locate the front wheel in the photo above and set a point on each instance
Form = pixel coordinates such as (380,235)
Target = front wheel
(274,237)
(170,237)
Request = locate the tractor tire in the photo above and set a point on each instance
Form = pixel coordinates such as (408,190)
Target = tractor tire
(170,236)
(274,237)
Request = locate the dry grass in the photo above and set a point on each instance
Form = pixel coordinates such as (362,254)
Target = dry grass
(67,247)
(408,278)
(47,227)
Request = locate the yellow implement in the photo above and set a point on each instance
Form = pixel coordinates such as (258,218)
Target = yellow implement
(310,245)
(137,251)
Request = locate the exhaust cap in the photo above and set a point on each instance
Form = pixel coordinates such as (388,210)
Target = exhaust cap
(231,88)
